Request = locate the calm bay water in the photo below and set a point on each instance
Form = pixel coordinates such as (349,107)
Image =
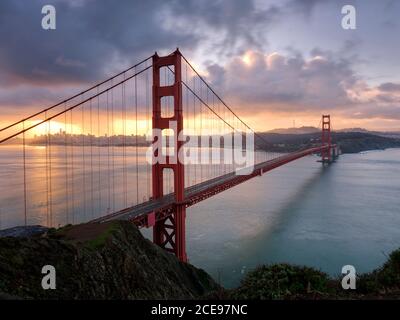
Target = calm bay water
(59,185)
(347,213)
(302,213)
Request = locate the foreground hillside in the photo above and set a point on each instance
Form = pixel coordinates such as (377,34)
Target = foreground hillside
(97,261)
(114,261)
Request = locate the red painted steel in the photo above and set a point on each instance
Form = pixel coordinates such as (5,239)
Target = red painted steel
(169,231)
(167,213)
(326,139)
(168,209)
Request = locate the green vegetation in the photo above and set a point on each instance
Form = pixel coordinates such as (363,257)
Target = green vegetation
(279,281)
(284,281)
(383,280)
(100,240)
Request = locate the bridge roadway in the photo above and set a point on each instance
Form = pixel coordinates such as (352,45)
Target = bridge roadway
(162,207)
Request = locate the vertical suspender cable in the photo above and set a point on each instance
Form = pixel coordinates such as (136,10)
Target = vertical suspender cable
(136,143)
(98,151)
(91,161)
(108,158)
(24,158)
(66,166)
(72,169)
(83,163)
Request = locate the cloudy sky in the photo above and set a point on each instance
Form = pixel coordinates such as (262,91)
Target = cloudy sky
(273,61)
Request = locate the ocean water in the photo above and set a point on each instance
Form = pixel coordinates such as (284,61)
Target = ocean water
(302,213)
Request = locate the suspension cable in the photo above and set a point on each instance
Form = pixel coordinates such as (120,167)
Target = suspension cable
(75,96)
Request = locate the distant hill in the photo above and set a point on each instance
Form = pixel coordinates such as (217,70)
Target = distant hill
(387,134)
(350,142)
(312,130)
(300,130)
(353,130)
(354,142)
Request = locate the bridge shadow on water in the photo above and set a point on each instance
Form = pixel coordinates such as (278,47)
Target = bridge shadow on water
(285,213)
(239,253)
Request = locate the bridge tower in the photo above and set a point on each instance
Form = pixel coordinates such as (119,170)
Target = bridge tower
(169,232)
(326,139)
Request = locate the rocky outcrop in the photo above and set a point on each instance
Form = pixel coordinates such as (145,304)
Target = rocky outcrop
(26,231)
(96,261)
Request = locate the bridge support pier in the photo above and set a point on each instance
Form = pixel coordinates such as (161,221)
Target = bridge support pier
(169,232)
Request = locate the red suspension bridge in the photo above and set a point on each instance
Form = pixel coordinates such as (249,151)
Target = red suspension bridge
(96,156)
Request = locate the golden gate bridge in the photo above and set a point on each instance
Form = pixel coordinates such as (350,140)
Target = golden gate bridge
(86,159)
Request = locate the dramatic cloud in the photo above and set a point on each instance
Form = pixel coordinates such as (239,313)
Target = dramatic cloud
(91,38)
(390,87)
(94,38)
(295,84)
(256,53)
(276,82)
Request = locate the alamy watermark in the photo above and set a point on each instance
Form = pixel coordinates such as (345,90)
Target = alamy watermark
(349,18)
(49,18)
(349,279)
(49,280)
(205,148)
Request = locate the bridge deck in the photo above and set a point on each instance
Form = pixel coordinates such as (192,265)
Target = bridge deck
(204,190)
